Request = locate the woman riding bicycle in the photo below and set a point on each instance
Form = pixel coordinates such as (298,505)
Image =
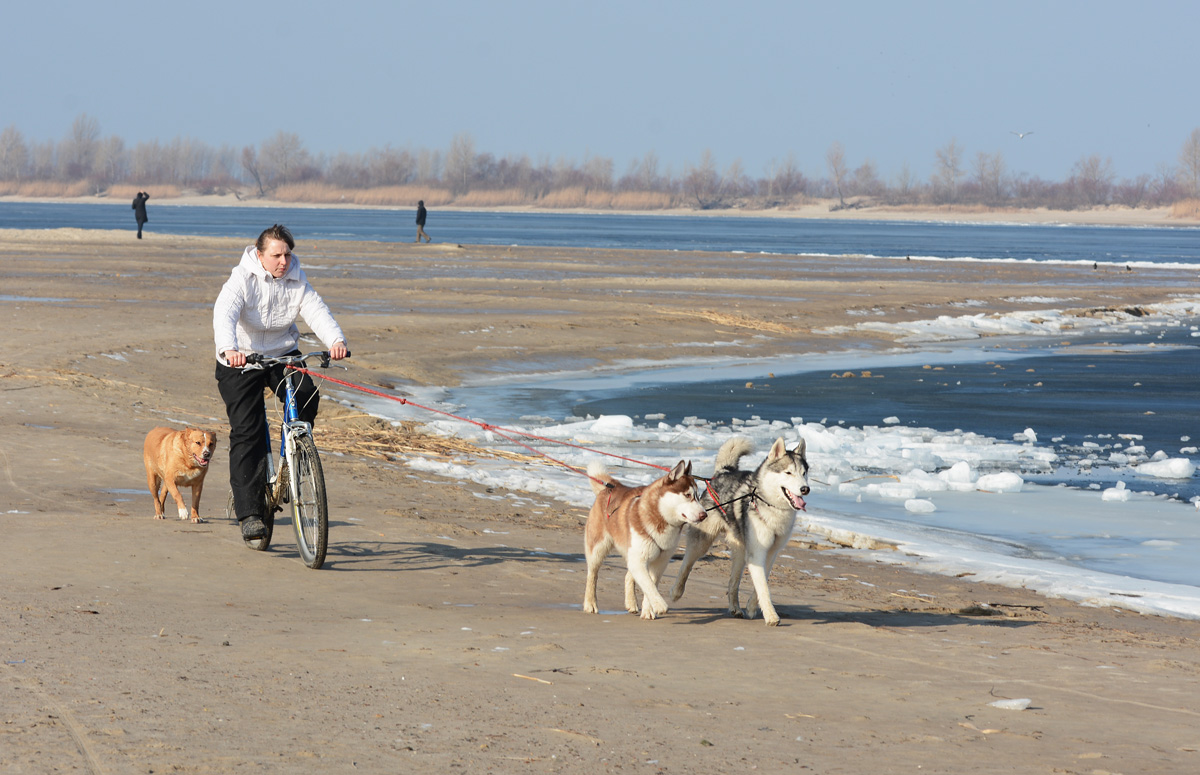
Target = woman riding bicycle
(256,313)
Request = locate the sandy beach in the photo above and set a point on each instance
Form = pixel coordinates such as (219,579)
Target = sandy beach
(444,633)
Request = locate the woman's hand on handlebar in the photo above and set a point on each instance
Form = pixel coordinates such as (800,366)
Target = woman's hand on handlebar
(338,351)
(235,359)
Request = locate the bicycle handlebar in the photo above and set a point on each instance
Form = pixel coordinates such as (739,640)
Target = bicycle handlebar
(260,359)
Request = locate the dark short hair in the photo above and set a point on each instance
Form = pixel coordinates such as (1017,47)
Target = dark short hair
(279,232)
(422,203)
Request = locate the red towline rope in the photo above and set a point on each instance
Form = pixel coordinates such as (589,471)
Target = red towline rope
(502,432)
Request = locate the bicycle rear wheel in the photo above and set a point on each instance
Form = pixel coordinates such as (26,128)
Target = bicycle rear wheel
(310,509)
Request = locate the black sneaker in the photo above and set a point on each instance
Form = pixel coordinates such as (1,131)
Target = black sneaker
(253,527)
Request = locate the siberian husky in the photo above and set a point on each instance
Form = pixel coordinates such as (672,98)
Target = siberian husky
(758,510)
(643,523)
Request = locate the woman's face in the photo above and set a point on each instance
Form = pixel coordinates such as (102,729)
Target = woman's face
(275,258)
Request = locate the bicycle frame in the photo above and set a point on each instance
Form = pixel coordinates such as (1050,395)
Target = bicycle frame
(289,428)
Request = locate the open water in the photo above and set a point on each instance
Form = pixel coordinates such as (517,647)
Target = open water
(1174,246)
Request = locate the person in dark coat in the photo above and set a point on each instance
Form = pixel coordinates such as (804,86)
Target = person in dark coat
(139,210)
(421,213)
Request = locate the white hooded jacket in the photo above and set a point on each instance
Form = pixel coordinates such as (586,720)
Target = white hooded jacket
(255,313)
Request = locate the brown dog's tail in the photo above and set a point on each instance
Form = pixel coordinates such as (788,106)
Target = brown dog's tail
(598,476)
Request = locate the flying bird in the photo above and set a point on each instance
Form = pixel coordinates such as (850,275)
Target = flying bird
(1020,135)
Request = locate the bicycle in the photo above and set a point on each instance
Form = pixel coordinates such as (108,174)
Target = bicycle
(298,479)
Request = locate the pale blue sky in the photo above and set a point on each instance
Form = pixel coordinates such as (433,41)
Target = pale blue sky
(755,81)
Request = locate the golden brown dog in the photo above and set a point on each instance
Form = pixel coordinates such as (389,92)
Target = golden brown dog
(177,459)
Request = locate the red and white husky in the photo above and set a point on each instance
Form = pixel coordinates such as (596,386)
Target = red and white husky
(643,523)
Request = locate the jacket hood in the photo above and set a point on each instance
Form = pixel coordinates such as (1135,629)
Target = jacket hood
(251,264)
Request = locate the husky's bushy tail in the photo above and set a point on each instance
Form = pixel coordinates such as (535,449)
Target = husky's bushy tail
(598,476)
(731,452)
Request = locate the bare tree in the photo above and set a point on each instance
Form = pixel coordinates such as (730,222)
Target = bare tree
(460,159)
(1132,193)
(14,154)
(598,170)
(735,182)
(191,160)
(429,166)
(835,160)
(988,176)
(702,182)
(904,188)
(110,162)
(390,167)
(1092,180)
(866,180)
(77,153)
(1165,187)
(253,169)
(784,179)
(947,172)
(42,160)
(283,158)
(1189,164)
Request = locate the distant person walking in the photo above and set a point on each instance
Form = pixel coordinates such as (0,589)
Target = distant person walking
(421,213)
(139,210)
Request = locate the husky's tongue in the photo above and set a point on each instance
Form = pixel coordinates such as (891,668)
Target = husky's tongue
(796,501)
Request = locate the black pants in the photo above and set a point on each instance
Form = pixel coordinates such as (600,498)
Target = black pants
(242,392)
(141,222)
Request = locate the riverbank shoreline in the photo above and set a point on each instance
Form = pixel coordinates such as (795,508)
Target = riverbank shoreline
(1111,215)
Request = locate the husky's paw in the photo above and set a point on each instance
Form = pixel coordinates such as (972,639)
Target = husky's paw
(771,621)
(590,608)
(738,613)
(652,609)
(676,593)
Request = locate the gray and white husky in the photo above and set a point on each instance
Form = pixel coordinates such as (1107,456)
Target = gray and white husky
(758,511)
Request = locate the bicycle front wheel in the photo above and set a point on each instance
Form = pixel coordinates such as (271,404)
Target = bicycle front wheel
(310,509)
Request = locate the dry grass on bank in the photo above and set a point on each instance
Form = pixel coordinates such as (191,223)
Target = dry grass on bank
(503,197)
(366,436)
(1187,209)
(125,191)
(736,321)
(39,189)
(382,196)
(408,196)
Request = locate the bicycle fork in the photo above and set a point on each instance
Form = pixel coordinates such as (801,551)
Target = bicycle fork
(290,429)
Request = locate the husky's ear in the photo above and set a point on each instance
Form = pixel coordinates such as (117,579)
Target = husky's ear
(778,449)
(800,448)
(679,470)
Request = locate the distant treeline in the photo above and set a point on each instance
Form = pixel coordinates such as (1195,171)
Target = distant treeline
(85,163)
